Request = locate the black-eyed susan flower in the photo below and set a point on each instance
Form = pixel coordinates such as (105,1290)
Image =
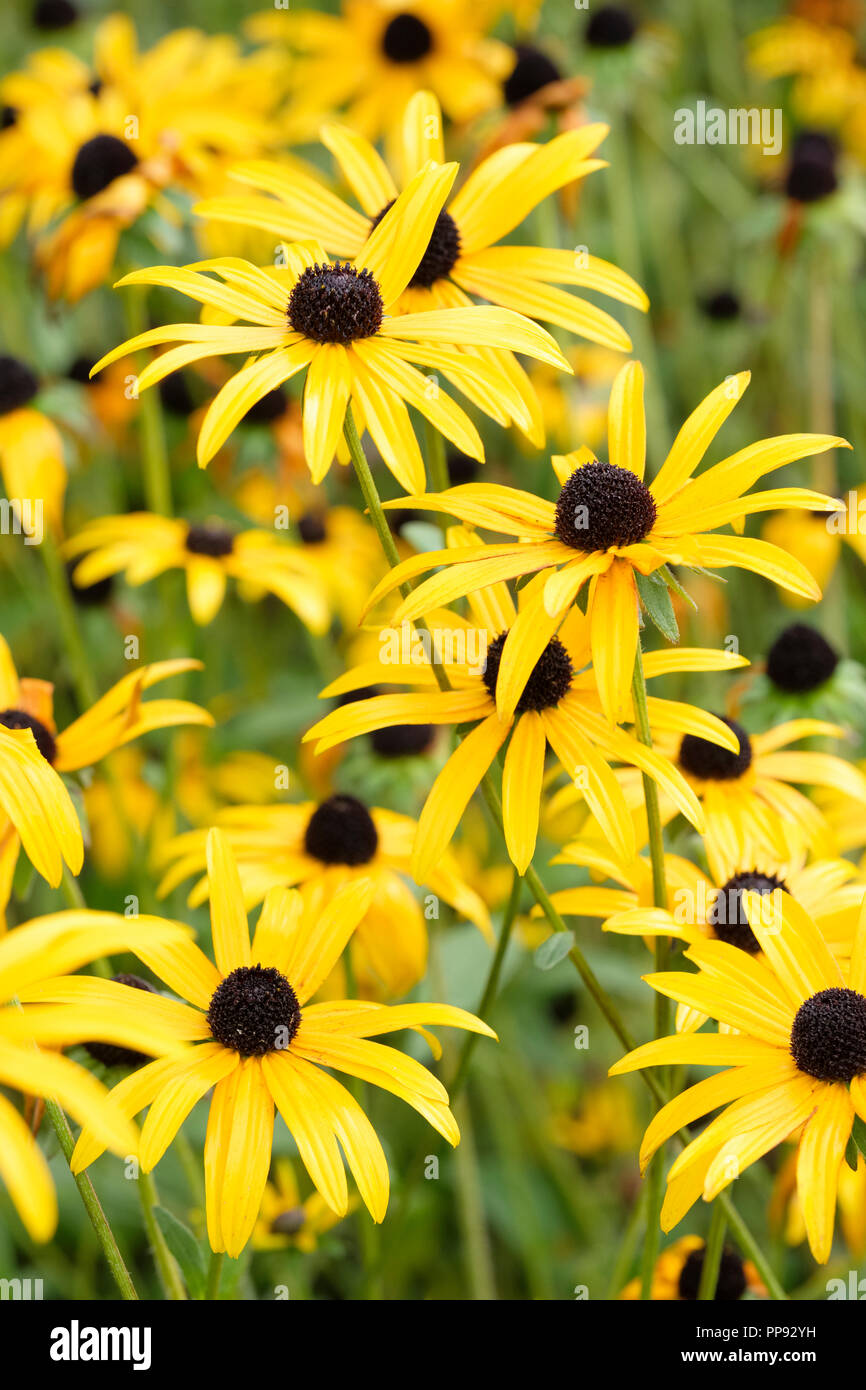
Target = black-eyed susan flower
(261,1044)
(318,848)
(31,452)
(461,258)
(608,526)
(330,320)
(677,1275)
(142,545)
(84,159)
(804,676)
(39,814)
(556,702)
(287,1220)
(374,54)
(751,799)
(30,956)
(785,1213)
(795,1062)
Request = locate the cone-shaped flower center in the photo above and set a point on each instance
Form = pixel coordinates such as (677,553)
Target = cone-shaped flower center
(611,26)
(731,1283)
(254,1010)
(828,1037)
(341,831)
(442,251)
(214,541)
(549,679)
(335,304)
(801,659)
(532,71)
(111,1055)
(18,384)
(407,39)
(20,719)
(402,740)
(711,763)
(601,506)
(289,1222)
(99,162)
(312,529)
(727,914)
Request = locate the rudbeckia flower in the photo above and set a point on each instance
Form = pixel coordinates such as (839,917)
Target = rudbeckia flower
(31,451)
(785,1214)
(288,1221)
(677,1275)
(319,847)
(460,258)
(117,718)
(375,53)
(608,526)
(141,545)
(29,955)
(750,798)
(796,1062)
(261,1044)
(331,320)
(81,163)
(557,703)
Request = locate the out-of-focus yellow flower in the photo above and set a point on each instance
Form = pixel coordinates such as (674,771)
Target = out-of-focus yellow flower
(603,1121)
(785,1214)
(286,1220)
(677,1275)
(31,450)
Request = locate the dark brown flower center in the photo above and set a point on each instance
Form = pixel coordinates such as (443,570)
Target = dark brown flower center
(407,39)
(710,762)
(20,719)
(828,1036)
(99,162)
(549,680)
(215,541)
(341,831)
(254,1010)
(335,304)
(601,506)
(443,249)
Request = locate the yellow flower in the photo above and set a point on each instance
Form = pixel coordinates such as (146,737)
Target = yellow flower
(144,815)
(376,53)
(608,526)
(142,545)
(785,1213)
(602,1122)
(26,705)
(556,702)
(461,258)
(331,321)
(752,806)
(677,1274)
(320,848)
(286,1220)
(29,956)
(31,451)
(261,1043)
(830,890)
(83,158)
(797,1058)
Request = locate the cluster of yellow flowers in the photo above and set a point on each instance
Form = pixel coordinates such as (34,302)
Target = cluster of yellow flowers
(522,629)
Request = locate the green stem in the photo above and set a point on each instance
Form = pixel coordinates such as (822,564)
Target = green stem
(476,1242)
(71,890)
(437,464)
(169,1273)
(490,988)
(92,1205)
(713,1255)
(157,472)
(750,1247)
(85,685)
(822,419)
(215,1269)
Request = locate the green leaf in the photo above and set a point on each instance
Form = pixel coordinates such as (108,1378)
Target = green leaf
(673,583)
(186,1250)
(858,1137)
(554,949)
(656,600)
(851,1154)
